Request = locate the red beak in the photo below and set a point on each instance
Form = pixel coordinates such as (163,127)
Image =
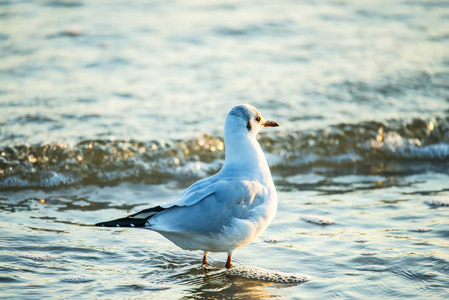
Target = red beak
(270,124)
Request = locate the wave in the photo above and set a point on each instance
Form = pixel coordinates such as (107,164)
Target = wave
(107,162)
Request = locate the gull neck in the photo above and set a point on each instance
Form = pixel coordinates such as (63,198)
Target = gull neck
(244,153)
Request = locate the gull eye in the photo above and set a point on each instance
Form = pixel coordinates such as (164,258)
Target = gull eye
(257,119)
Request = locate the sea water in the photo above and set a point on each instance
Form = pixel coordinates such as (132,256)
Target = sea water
(108,106)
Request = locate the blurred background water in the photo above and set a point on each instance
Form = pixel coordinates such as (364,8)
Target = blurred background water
(109,105)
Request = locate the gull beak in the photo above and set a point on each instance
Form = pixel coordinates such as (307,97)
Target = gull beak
(270,124)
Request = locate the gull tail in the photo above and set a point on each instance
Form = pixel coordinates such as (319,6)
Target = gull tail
(136,220)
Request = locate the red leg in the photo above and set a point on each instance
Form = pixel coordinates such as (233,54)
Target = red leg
(228,262)
(204,257)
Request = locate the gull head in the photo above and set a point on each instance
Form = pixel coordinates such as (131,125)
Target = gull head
(245,119)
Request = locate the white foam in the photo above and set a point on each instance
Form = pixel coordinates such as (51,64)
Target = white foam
(13,181)
(78,279)
(439,151)
(368,253)
(438,202)
(399,146)
(49,179)
(152,286)
(420,229)
(256,273)
(375,268)
(38,256)
(316,219)
(274,240)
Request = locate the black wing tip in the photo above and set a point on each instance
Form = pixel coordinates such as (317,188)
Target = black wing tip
(132,220)
(123,222)
(108,224)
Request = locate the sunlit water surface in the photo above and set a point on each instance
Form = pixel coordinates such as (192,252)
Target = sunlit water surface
(106,106)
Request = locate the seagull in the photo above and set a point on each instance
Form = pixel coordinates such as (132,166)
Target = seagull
(226,211)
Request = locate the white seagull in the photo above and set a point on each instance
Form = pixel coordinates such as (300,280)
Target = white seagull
(228,210)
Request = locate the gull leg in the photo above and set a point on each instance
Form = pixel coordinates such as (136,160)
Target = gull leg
(204,258)
(228,261)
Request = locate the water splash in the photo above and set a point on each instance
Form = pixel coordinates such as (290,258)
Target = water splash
(256,273)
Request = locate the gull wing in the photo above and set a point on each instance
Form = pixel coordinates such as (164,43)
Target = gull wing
(195,193)
(206,206)
(215,207)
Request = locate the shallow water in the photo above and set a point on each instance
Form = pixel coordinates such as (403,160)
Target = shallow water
(108,106)
(384,241)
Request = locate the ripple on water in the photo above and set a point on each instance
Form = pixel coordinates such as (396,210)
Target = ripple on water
(256,273)
(430,274)
(416,275)
(38,256)
(77,279)
(316,219)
